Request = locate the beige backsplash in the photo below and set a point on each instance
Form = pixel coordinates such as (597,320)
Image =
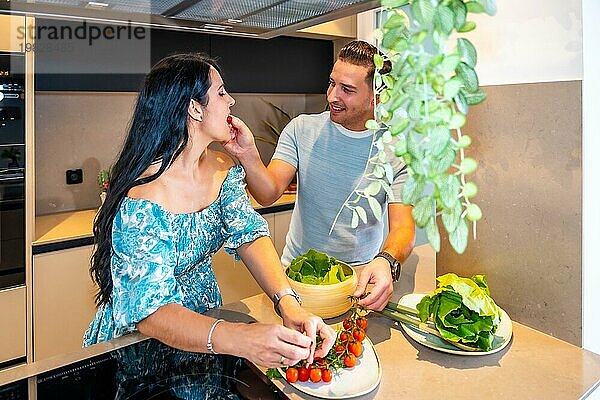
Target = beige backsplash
(527,138)
(86,129)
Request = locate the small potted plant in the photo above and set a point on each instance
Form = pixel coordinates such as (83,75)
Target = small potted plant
(103,181)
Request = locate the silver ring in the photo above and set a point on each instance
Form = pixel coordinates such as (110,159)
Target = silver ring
(282,361)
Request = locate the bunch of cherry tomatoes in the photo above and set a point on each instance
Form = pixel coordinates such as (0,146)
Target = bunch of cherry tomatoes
(348,347)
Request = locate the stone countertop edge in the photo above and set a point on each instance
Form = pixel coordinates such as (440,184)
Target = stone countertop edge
(67,226)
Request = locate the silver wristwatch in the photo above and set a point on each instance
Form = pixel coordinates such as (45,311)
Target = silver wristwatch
(282,293)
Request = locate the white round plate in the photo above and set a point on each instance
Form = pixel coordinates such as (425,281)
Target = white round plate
(501,338)
(346,382)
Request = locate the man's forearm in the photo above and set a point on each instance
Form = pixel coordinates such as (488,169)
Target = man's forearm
(261,184)
(400,243)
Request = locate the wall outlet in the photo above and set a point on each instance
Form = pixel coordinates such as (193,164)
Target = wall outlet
(74,176)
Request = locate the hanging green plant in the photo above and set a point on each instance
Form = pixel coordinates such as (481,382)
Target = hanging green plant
(423,104)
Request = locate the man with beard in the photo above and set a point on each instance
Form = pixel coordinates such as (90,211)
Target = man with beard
(329,152)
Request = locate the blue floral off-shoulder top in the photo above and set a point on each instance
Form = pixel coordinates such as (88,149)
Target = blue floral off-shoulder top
(159,257)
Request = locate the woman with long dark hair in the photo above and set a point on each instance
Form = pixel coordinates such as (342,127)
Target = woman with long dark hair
(172,203)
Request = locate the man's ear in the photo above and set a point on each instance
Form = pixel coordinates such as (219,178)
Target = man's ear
(195,110)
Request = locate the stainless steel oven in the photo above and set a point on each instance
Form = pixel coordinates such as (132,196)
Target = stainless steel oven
(12,170)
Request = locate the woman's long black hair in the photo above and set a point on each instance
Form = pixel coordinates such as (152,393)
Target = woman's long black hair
(157,135)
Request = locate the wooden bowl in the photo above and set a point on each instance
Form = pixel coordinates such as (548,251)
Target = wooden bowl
(327,301)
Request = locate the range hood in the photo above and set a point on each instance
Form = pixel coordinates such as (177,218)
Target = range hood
(252,18)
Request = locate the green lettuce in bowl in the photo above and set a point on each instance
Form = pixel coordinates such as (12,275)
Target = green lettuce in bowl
(316,268)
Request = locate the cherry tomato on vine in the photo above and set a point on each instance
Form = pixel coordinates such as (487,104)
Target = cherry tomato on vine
(362,323)
(315,375)
(350,360)
(303,374)
(344,337)
(359,334)
(355,348)
(291,374)
(339,349)
(326,375)
(348,324)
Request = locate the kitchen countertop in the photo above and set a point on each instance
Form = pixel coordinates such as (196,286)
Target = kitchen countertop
(73,225)
(533,366)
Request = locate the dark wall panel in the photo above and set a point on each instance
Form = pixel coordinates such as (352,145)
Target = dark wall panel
(82,56)
(278,65)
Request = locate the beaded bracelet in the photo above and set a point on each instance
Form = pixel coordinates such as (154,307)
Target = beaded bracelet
(209,345)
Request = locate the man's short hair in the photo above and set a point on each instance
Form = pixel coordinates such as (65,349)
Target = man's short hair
(359,52)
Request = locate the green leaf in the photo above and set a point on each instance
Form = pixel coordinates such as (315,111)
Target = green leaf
(460,236)
(468,165)
(461,102)
(354,223)
(378,171)
(361,213)
(460,13)
(388,80)
(372,125)
(388,191)
(412,189)
(490,6)
(451,217)
(424,308)
(396,20)
(373,188)
(378,60)
(439,136)
(400,149)
(413,146)
(449,64)
(467,27)
(449,193)
(433,234)
(375,207)
(467,52)
(474,7)
(474,297)
(468,76)
(393,3)
(451,88)
(389,172)
(423,11)
(399,126)
(457,121)
(419,37)
(395,39)
(384,97)
(273,373)
(445,19)
(440,165)
(414,110)
(474,98)
(423,211)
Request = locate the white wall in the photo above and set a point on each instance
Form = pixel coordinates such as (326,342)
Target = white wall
(591,171)
(525,42)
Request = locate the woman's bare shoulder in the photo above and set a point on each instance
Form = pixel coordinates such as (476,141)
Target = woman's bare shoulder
(221,160)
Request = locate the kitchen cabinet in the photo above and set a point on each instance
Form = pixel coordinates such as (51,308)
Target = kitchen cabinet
(63,301)
(278,65)
(12,27)
(12,324)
